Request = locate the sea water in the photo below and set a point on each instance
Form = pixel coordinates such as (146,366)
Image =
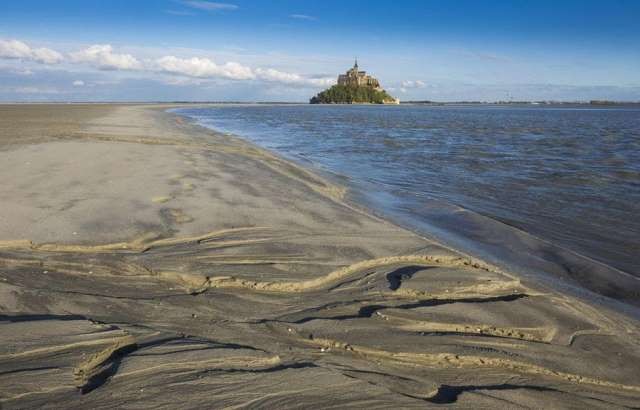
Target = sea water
(532,186)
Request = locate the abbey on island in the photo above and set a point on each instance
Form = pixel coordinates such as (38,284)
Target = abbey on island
(354,77)
(355,87)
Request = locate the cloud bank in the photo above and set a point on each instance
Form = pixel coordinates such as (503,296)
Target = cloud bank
(14,49)
(104,57)
(203,68)
(270,74)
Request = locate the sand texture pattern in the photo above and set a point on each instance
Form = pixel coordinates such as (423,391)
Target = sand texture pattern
(146,262)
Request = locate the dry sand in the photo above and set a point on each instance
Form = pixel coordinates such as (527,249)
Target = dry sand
(146,262)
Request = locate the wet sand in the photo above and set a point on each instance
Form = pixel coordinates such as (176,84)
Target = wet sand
(147,262)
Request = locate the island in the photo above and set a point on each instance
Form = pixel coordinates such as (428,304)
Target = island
(355,87)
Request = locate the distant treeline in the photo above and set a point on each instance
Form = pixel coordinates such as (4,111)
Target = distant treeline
(343,94)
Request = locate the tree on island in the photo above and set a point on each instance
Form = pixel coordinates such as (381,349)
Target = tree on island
(344,94)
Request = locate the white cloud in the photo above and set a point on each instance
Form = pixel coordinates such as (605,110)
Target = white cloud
(78,83)
(209,5)
(203,68)
(207,69)
(104,58)
(46,56)
(269,74)
(302,17)
(413,84)
(15,49)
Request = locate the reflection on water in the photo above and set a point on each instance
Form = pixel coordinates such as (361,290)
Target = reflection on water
(570,176)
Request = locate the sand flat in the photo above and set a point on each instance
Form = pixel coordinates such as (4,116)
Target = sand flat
(169,265)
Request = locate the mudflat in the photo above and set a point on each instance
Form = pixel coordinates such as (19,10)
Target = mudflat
(147,262)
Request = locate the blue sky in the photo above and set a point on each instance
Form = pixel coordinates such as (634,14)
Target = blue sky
(289,50)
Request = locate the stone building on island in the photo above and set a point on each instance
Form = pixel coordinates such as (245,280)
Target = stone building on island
(353,77)
(355,87)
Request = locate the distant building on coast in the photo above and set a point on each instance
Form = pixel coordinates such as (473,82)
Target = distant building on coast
(354,77)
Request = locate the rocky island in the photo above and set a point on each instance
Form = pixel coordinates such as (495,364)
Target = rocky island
(355,87)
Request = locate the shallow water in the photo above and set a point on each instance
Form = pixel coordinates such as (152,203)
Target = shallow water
(570,176)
